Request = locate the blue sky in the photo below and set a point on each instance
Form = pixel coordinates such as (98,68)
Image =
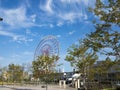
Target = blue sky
(25,22)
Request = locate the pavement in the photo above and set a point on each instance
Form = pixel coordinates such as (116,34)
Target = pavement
(38,87)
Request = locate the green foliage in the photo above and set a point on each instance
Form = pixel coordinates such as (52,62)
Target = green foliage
(81,57)
(44,64)
(15,72)
(105,40)
(108,11)
(102,39)
(105,35)
(104,66)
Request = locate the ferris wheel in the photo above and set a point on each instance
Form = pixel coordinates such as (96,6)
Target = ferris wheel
(47,46)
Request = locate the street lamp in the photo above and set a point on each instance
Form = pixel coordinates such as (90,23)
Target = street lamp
(64,75)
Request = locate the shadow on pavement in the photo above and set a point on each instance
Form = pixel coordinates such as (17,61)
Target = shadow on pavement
(20,89)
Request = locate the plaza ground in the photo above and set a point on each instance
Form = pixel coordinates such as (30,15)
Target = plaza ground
(38,87)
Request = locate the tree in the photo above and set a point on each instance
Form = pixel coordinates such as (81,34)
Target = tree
(16,72)
(105,40)
(81,58)
(26,67)
(3,74)
(108,11)
(103,68)
(44,64)
(106,37)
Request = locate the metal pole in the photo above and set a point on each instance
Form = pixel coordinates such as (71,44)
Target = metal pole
(46,83)
(45,73)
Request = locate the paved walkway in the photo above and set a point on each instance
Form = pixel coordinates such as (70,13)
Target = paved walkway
(50,87)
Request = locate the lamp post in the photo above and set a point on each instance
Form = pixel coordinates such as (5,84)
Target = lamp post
(1,75)
(64,75)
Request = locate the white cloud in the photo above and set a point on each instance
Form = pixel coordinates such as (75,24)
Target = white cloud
(58,36)
(20,55)
(27,53)
(72,32)
(86,2)
(4,33)
(77,10)
(17,58)
(17,17)
(33,17)
(72,16)
(15,37)
(14,16)
(66,11)
(47,7)
(65,1)
(27,3)
(51,25)
(59,23)
(23,39)
(28,32)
